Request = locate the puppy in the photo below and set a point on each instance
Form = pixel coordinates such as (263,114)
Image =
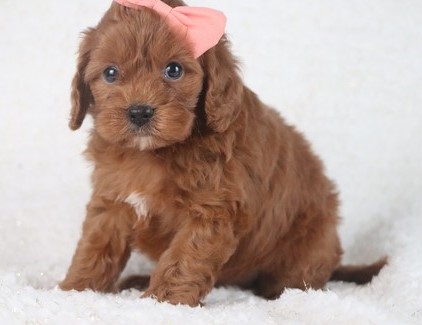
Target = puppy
(193,170)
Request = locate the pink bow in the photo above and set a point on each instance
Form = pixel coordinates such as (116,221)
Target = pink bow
(203,27)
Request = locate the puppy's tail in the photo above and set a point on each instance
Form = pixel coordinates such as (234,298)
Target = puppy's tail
(359,274)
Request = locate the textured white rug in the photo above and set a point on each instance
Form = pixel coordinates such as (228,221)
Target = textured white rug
(347,73)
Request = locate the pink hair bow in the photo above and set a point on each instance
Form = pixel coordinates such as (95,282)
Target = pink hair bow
(203,27)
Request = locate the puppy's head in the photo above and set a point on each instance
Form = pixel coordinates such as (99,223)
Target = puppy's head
(143,86)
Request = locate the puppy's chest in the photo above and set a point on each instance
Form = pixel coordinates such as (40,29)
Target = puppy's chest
(147,200)
(138,202)
(155,208)
(150,193)
(154,188)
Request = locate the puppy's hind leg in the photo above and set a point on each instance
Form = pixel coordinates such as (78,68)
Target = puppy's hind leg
(270,285)
(265,286)
(306,262)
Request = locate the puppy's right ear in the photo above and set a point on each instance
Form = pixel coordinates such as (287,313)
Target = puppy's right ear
(81,94)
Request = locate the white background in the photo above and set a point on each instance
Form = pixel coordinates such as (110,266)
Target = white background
(346,73)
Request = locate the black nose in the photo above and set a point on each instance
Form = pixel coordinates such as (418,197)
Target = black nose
(140,114)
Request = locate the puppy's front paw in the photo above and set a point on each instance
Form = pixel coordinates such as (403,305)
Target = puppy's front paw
(67,285)
(173,296)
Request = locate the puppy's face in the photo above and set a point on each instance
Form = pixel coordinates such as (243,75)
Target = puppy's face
(143,86)
(144,82)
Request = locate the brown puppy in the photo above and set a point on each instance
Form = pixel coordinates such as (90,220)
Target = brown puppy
(192,169)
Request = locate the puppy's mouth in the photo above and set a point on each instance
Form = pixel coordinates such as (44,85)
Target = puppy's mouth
(141,131)
(142,137)
(149,128)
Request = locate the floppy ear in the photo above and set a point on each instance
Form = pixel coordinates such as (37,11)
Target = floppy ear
(224,87)
(81,94)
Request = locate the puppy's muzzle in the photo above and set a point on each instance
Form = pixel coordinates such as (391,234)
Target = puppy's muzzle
(140,115)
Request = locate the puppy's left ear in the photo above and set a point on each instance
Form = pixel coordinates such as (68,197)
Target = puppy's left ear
(224,88)
(81,94)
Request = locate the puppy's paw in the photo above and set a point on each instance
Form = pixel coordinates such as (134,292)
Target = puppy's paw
(69,284)
(84,284)
(172,296)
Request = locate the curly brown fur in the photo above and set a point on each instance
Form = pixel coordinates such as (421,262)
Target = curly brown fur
(216,188)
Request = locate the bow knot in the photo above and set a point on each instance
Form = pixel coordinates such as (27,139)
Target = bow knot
(203,27)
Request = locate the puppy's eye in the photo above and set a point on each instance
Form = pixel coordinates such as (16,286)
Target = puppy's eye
(173,71)
(110,74)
